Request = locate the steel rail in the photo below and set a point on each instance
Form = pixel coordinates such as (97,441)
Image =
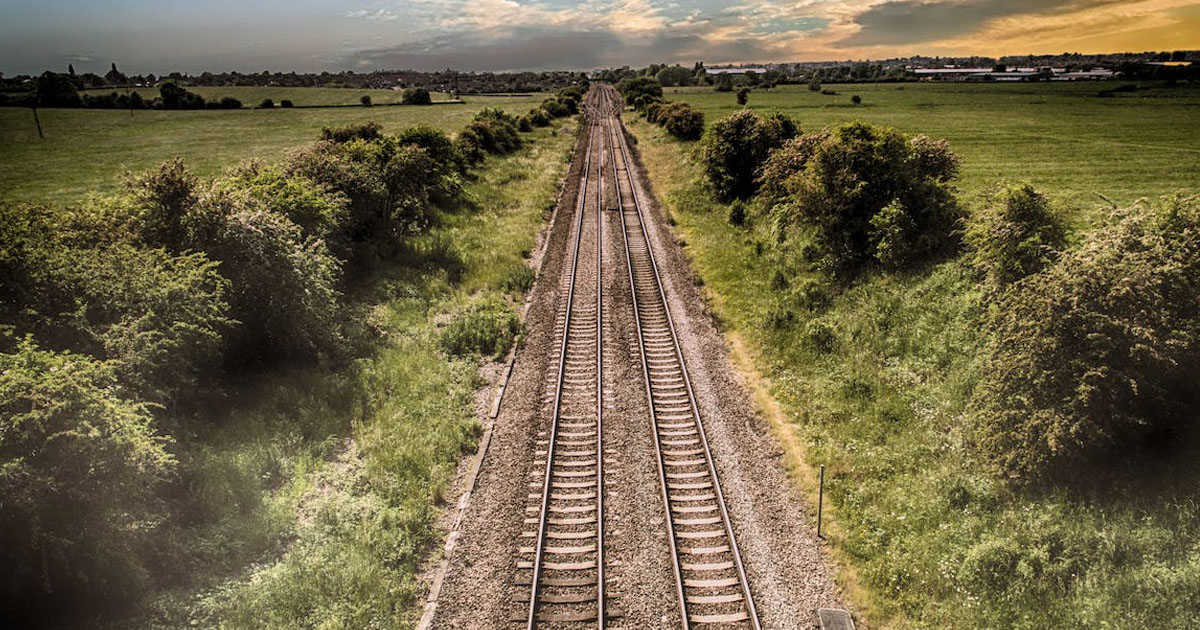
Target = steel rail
(531,618)
(720,497)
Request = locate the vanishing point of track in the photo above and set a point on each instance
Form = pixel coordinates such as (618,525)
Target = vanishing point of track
(567,585)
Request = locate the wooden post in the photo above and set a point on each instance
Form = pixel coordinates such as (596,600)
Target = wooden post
(820,499)
(37,122)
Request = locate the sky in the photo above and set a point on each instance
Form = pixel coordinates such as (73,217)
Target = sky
(313,35)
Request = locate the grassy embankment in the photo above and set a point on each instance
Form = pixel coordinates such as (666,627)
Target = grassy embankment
(87,150)
(313,495)
(931,540)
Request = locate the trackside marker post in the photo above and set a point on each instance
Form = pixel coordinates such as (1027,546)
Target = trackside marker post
(820,499)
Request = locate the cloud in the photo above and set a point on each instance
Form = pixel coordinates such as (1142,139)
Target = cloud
(380,15)
(915,21)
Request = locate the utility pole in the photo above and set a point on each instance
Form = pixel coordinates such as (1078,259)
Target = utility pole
(37,122)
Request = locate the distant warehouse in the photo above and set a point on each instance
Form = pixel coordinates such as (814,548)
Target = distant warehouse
(1011,74)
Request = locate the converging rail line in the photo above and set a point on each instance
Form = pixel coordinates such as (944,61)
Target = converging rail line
(565,555)
(567,583)
(710,579)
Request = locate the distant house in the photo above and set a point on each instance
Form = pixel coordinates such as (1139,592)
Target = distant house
(736,70)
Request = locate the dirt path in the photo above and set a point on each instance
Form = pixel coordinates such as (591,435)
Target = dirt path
(483,586)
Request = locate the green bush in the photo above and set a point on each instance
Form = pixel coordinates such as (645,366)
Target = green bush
(78,470)
(157,317)
(486,326)
(346,133)
(681,121)
(735,147)
(318,212)
(282,284)
(1095,358)
(416,96)
(868,194)
(1013,235)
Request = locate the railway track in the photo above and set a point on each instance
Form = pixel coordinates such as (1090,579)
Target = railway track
(566,558)
(563,548)
(711,583)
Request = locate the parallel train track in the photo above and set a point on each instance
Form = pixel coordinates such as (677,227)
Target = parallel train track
(568,581)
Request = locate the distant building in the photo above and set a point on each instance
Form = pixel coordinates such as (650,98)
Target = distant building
(736,70)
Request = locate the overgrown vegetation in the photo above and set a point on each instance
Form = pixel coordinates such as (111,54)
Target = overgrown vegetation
(1091,363)
(865,194)
(1005,432)
(126,320)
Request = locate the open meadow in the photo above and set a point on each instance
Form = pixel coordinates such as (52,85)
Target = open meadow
(89,150)
(1061,137)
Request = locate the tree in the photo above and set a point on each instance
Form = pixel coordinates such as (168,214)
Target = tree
(724,83)
(416,96)
(114,77)
(71,69)
(674,75)
(286,104)
(266,104)
(814,85)
(56,90)
(735,147)
(365,100)
(633,89)
(742,96)
(868,194)
(175,97)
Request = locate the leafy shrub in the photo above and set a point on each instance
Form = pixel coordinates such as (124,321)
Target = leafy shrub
(743,95)
(286,104)
(867,195)
(1013,235)
(156,317)
(1096,357)
(538,117)
(492,131)
(486,326)
(228,102)
(737,213)
(682,121)
(523,124)
(365,100)
(319,213)
(266,104)
(735,147)
(78,468)
(282,284)
(346,133)
(416,96)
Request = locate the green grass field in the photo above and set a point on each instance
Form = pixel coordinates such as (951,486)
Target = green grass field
(1059,136)
(90,150)
(875,385)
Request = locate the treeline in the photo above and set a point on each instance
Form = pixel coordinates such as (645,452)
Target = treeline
(58,90)
(1090,350)
(120,319)
(679,119)
(442,81)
